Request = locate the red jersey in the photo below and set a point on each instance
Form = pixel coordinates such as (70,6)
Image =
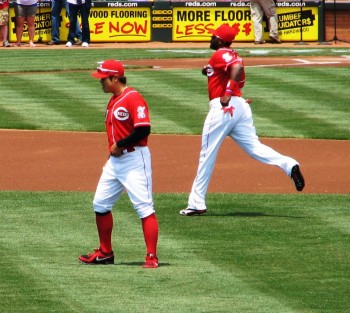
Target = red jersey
(218,72)
(124,113)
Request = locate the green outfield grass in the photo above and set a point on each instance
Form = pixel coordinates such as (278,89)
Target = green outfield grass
(85,59)
(250,253)
(309,102)
(300,102)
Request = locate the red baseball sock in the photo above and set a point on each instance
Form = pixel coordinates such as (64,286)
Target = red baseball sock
(104,225)
(150,232)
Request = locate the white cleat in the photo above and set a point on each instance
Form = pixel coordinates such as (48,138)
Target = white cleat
(190,212)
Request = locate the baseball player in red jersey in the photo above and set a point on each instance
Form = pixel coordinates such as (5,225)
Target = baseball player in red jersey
(230,115)
(128,167)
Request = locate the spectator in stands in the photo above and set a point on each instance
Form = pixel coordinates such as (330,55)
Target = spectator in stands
(4,20)
(57,6)
(75,7)
(25,11)
(258,8)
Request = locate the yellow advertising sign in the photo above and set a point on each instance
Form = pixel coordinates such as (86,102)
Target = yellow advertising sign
(106,25)
(134,21)
(121,25)
(193,24)
(42,26)
(292,20)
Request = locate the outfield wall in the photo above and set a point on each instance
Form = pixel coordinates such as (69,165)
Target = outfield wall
(190,21)
(339,18)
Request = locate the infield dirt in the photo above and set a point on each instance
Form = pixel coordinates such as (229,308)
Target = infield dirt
(72,161)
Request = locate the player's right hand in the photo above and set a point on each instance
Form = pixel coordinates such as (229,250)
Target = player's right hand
(204,71)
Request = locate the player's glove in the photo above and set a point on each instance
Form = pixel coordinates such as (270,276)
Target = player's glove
(205,71)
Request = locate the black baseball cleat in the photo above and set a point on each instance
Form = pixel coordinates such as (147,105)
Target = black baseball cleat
(98,257)
(190,212)
(297,178)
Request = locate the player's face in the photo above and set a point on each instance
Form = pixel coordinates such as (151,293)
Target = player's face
(107,84)
(215,43)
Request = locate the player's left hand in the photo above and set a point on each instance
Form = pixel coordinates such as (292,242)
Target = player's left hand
(225,100)
(116,151)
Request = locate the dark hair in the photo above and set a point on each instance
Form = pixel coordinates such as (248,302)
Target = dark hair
(122,79)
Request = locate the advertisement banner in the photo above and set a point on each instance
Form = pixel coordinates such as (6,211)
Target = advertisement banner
(120,24)
(192,21)
(109,22)
(42,24)
(193,24)
(134,21)
(291,21)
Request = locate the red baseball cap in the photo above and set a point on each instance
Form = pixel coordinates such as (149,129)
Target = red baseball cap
(225,33)
(109,68)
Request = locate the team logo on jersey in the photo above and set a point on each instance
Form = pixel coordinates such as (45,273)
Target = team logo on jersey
(141,112)
(227,57)
(210,70)
(121,114)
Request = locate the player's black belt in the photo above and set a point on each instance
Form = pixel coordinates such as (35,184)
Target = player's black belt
(128,150)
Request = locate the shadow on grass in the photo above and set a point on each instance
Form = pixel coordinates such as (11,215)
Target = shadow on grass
(161,264)
(249,214)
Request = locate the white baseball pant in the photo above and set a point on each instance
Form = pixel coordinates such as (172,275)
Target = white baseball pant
(132,172)
(217,126)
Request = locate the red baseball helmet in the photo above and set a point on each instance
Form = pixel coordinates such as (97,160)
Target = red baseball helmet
(224,32)
(109,68)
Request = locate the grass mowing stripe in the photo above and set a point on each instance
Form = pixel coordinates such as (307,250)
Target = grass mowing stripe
(76,59)
(279,239)
(233,290)
(297,52)
(39,114)
(333,82)
(172,98)
(50,101)
(76,95)
(31,103)
(56,96)
(36,253)
(332,79)
(316,108)
(12,120)
(24,290)
(274,252)
(324,106)
(32,60)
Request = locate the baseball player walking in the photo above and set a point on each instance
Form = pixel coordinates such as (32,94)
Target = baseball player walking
(128,167)
(230,115)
